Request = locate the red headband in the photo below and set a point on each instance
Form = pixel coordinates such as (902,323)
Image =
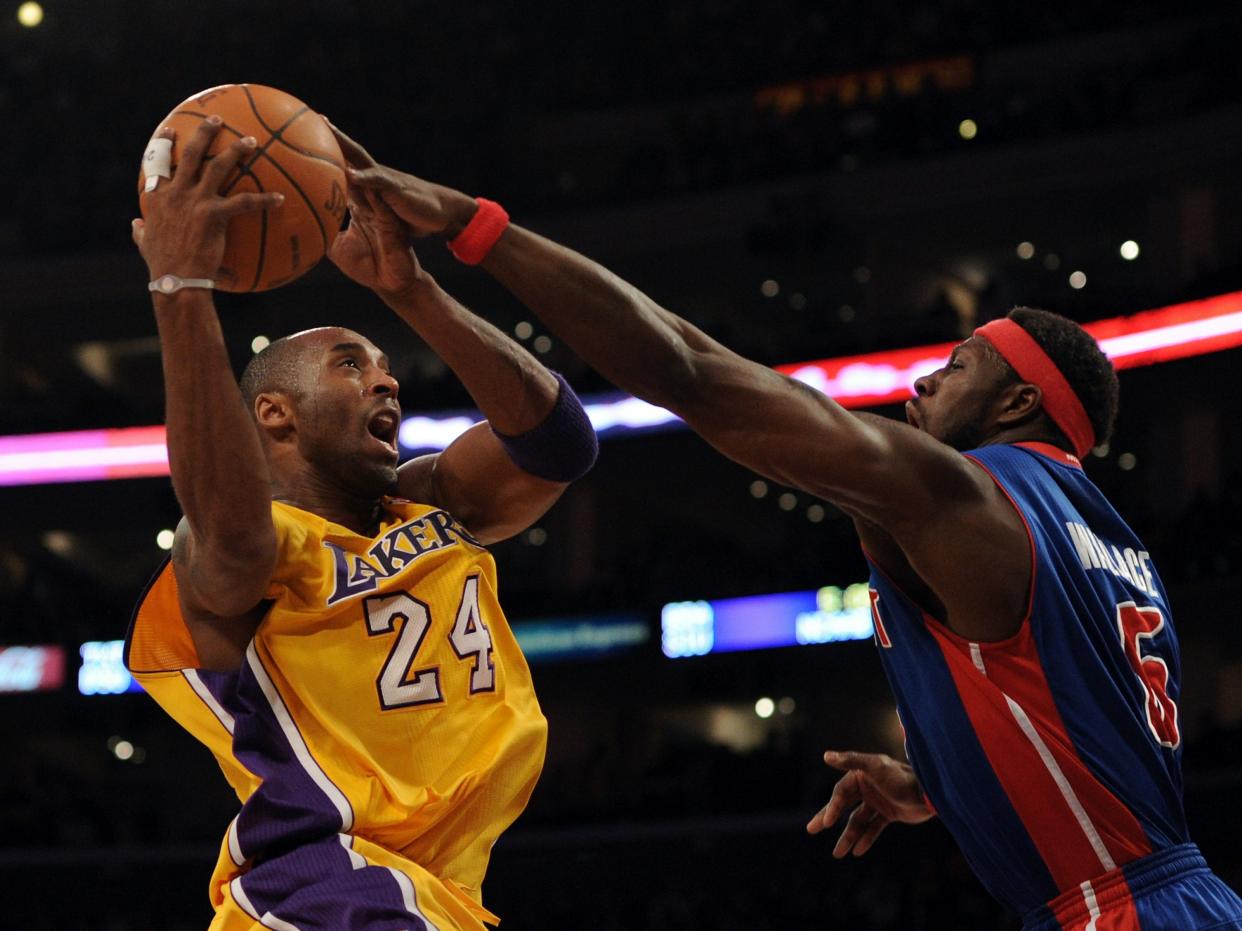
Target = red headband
(1032,364)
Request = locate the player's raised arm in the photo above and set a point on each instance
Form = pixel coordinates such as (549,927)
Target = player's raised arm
(226,546)
(500,476)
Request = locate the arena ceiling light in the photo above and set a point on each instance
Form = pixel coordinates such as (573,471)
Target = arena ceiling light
(1179,331)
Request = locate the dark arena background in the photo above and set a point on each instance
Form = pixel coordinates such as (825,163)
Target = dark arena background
(804,180)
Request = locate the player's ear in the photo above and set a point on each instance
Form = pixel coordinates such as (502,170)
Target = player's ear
(1019,402)
(275,414)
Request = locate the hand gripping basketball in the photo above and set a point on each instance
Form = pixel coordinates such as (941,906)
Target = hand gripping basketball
(295,154)
(186,216)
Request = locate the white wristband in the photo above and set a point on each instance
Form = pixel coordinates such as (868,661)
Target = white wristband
(170,284)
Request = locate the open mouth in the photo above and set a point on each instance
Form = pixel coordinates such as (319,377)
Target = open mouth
(912,415)
(384,426)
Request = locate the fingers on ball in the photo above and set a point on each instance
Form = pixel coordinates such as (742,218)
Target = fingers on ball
(371,178)
(354,153)
(250,202)
(196,148)
(219,167)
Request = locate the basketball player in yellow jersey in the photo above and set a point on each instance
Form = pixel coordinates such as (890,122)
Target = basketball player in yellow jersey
(328,623)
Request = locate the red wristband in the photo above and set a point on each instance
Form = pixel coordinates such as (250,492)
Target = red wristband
(485,227)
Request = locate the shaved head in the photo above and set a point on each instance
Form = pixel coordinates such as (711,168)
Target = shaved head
(275,368)
(280,367)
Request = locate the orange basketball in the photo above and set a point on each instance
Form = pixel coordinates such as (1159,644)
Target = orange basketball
(296,155)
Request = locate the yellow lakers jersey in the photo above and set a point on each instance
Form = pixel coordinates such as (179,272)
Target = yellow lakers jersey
(383,696)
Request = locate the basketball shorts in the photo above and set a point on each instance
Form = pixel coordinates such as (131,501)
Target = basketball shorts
(336,883)
(1172,890)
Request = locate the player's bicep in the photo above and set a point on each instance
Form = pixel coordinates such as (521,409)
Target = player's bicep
(221,610)
(218,580)
(881,469)
(414,479)
(476,481)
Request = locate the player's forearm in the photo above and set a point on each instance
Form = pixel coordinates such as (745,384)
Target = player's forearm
(613,326)
(218,469)
(512,389)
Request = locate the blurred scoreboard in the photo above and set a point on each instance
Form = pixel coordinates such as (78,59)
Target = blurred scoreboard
(103,669)
(31,669)
(826,615)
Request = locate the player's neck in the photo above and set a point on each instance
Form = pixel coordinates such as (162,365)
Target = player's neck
(1025,433)
(360,513)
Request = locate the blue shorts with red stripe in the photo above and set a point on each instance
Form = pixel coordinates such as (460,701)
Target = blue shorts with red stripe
(1172,890)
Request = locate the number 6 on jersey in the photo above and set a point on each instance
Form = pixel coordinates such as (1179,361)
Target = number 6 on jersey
(399,684)
(1136,626)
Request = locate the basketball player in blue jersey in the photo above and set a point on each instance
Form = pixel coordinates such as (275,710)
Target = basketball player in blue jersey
(1023,627)
(328,624)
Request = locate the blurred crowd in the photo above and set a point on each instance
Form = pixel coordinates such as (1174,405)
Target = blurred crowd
(652,834)
(562,105)
(67,791)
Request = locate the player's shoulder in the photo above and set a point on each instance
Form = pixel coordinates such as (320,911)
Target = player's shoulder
(1029,453)
(1029,465)
(393,508)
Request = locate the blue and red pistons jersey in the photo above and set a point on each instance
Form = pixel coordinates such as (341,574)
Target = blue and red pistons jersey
(1053,757)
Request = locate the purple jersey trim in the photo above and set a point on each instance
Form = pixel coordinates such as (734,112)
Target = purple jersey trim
(289,806)
(324,884)
(303,874)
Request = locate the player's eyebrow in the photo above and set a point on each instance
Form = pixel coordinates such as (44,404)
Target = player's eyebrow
(358,347)
(970,343)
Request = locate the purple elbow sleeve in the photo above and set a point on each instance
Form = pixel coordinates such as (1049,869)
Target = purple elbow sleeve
(562,447)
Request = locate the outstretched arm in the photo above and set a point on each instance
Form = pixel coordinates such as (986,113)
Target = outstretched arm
(477,477)
(769,422)
(226,546)
(884,471)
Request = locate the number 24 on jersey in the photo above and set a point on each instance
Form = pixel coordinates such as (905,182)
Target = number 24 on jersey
(399,684)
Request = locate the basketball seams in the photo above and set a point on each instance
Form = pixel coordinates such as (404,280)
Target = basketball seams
(245,89)
(310,205)
(275,136)
(307,153)
(278,133)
